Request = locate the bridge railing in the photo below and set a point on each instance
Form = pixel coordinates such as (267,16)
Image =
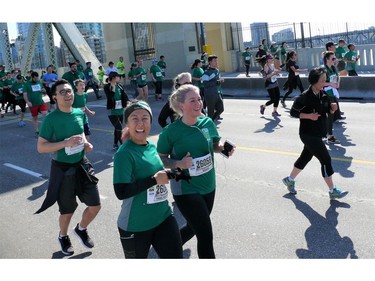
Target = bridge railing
(311,57)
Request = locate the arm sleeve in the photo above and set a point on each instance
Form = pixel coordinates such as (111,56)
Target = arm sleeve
(127,190)
(298,106)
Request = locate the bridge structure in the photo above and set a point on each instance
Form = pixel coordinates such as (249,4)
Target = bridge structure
(69,33)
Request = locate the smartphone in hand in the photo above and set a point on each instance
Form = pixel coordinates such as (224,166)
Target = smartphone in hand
(228,146)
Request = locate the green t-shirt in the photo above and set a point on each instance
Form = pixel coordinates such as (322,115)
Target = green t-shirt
(18,89)
(80,101)
(351,56)
(142,79)
(198,73)
(156,72)
(177,139)
(340,52)
(118,110)
(134,162)
(71,77)
(100,75)
(120,67)
(57,126)
(246,57)
(34,92)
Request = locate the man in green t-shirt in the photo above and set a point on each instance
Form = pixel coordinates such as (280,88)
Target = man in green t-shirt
(340,56)
(351,58)
(246,60)
(73,75)
(33,95)
(17,90)
(72,175)
(90,80)
(162,64)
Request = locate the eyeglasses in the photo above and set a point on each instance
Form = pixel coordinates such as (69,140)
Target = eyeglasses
(333,59)
(65,92)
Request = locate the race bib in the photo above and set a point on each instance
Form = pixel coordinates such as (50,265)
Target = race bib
(118,104)
(158,74)
(20,91)
(201,165)
(143,76)
(333,79)
(273,79)
(157,194)
(247,58)
(69,150)
(36,88)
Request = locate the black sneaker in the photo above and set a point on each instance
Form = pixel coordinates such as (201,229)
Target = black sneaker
(333,140)
(115,147)
(66,246)
(84,237)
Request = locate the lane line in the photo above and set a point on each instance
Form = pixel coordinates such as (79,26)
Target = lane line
(26,171)
(297,154)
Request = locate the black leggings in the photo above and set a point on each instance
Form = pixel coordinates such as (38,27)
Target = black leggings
(314,146)
(165,238)
(116,121)
(291,84)
(274,94)
(196,209)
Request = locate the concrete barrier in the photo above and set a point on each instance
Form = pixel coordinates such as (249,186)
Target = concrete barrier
(360,87)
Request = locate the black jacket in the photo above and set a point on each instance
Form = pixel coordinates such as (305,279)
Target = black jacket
(110,94)
(308,102)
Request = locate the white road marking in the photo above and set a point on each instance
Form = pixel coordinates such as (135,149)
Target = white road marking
(26,171)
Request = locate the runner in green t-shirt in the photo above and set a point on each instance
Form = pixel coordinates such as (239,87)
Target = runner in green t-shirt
(72,175)
(80,101)
(139,180)
(189,144)
(246,56)
(33,95)
(157,78)
(340,56)
(141,76)
(17,90)
(133,80)
(351,58)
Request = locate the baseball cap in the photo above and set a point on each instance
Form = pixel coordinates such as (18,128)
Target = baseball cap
(19,76)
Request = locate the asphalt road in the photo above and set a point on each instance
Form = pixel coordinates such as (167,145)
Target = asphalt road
(254,218)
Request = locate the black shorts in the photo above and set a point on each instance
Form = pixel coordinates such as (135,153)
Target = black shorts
(341,65)
(141,86)
(75,185)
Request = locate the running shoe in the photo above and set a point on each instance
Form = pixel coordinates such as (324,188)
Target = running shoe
(333,140)
(283,103)
(115,147)
(262,109)
(290,184)
(66,245)
(337,194)
(275,114)
(84,237)
(21,124)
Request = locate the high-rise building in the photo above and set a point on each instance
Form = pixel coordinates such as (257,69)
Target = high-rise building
(259,31)
(93,34)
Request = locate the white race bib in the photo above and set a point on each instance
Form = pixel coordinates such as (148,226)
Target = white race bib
(118,104)
(201,165)
(157,194)
(69,150)
(36,88)
(143,77)
(247,58)
(273,79)
(158,74)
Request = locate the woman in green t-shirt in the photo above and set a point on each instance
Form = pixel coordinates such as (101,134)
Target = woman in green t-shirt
(189,143)
(139,180)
